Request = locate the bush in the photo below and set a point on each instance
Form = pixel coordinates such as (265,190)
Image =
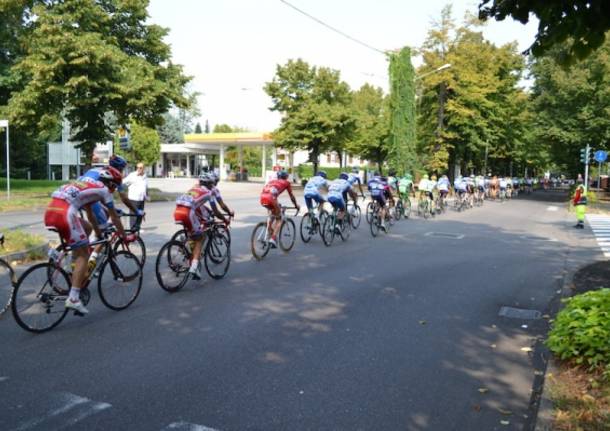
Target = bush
(581,331)
(305,171)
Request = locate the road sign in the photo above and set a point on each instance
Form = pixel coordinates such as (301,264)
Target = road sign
(601,156)
(3,123)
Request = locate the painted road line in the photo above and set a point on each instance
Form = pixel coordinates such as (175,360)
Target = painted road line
(600,225)
(185,426)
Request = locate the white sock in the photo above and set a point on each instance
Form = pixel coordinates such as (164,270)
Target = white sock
(194,264)
(74,294)
(93,256)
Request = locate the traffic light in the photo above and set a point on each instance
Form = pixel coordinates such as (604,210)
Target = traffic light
(585,155)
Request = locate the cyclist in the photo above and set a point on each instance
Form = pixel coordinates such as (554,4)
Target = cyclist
(354,178)
(217,197)
(393,184)
(460,186)
(379,190)
(443,187)
(192,213)
(470,184)
(337,191)
(405,186)
(268,199)
(101,216)
(433,186)
(313,188)
(479,183)
(62,214)
(502,183)
(425,188)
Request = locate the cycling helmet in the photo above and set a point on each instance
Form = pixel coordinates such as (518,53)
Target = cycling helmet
(433,178)
(207,178)
(343,176)
(111,177)
(408,176)
(425,177)
(355,169)
(376,174)
(392,172)
(117,162)
(282,175)
(322,174)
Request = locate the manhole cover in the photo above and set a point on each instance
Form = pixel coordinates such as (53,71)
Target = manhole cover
(445,235)
(519,313)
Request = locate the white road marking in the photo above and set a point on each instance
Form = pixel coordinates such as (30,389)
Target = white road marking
(600,225)
(185,426)
(552,208)
(3,378)
(68,402)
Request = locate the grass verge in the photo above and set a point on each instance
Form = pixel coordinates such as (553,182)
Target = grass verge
(18,240)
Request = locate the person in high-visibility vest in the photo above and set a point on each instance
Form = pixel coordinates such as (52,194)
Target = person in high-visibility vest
(580,205)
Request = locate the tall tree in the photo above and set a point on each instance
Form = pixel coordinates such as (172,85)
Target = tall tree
(83,59)
(207,126)
(145,145)
(402,153)
(170,132)
(198,128)
(316,108)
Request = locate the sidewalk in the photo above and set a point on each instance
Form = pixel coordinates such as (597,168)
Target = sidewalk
(227,188)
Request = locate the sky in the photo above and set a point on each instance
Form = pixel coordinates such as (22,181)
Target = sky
(231,47)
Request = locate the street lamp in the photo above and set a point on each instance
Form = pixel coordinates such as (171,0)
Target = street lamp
(4,123)
(438,69)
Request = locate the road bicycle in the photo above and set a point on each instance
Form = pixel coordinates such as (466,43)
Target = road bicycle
(403,207)
(7,282)
(460,202)
(335,226)
(502,195)
(311,223)
(137,247)
(38,301)
(261,234)
(479,198)
(355,213)
(175,257)
(424,207)
(220,226)
(376,223)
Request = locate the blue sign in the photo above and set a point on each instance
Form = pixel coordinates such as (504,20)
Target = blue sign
(601,156)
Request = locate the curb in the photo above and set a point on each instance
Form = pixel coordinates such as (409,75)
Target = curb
(22,255)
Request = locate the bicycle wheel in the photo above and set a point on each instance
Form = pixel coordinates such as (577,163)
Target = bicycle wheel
(7,283)
(120,280)
(307,228)
(400,209)
(375,223)
(407,208)
(322,218)
(137,248)
(426,209)
(38,301)
(328,230)
(391,216)
(346,227)
(172,266)
(287,235)
(217,257)
(259,242)
(369,211)
(180,236)
(356,216)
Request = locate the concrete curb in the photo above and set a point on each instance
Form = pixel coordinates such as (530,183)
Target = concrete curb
(22,255)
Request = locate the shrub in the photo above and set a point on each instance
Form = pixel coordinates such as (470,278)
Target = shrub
(305,171)
(581,331)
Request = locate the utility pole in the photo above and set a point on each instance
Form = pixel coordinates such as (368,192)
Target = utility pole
(585,154)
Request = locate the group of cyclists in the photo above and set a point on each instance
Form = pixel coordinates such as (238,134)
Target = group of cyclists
(91,194)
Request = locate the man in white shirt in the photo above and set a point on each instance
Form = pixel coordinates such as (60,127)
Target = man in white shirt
(137,182)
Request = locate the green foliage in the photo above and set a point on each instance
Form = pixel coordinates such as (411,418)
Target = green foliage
(572,106)
(82,59)
(583,21)
(18,240)
(145,146)
(306,171)
(198,128)
(315,106)
(402,153)
(170,132)
(582,329)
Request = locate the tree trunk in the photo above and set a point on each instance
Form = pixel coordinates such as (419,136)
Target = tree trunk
(314,159)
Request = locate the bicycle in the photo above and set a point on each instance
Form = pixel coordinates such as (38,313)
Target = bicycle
(376,222)
(259,241)
(38,301)
(403,207)
(137,247)
(7,282)
(479,198)
(332,226)
(181,235)
(177,255)
(311,223)
(355,213)
(424,207)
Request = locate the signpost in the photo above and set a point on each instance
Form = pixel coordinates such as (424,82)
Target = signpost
(600,157)
(4,124)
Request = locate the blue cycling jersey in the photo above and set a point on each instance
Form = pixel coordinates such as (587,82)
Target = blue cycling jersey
(94,174)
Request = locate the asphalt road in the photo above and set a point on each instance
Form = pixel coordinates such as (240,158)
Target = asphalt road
(400,332)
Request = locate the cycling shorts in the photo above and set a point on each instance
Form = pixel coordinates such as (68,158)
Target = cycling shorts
(269,201)
(481,189)
(337,202)
(63,217)
(187,217)
(380,198)
(444,193)
(310,197)
(101,216)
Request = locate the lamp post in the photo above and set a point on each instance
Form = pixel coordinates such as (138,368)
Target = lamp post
(4,123)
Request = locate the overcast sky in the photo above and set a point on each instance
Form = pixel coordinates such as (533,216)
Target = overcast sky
(231,47)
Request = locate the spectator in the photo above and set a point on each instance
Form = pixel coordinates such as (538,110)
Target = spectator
(138,191)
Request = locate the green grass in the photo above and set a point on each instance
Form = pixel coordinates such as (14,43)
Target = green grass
(32,186)
(26,194)
(18,240)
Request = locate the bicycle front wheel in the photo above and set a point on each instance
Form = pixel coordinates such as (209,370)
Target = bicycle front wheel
(356,216)
(120,280)
(370,207)
(7,283)
(328,231)
(307,227)
(217,256)
(375,223)
(259,241)
(39,297)
(172,266)
(287,235)
(137,248)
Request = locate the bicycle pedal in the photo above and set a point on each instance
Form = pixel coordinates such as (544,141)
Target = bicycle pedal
(78,313)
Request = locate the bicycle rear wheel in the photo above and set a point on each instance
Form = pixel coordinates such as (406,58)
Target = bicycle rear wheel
(137,248)
(407,207)
(7,283)
(375,223)
(356,216)
(217,256)
(287,235)
(346,227)
(172,266)
(307,229)
(328,231)
(370,207)
(259,241)
(120,280)
(38,301)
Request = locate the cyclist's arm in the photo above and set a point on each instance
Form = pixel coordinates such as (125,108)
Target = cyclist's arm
(217,212)
(127,202)
(292,198)
(93,221)
(224,206)
(116,220)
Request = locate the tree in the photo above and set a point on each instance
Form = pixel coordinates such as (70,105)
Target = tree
(572,105)
(145,145)
(401,151)
(316,108)
(222,128)
(83,59)
(198,128)
(578,26)
(170,132)
(207,126)
(370,140)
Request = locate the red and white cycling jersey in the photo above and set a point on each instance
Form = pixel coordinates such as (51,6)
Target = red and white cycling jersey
(195,199)
(276,187)
(81,193)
